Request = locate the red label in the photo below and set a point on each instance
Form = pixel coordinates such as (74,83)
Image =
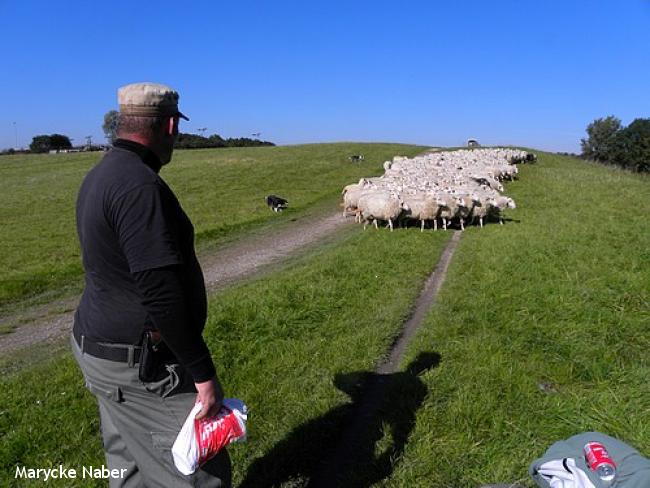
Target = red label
(213,433)
(597,455)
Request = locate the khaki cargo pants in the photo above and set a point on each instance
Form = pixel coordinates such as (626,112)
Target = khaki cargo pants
(140,421)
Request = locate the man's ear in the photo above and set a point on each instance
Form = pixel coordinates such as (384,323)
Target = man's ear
(169,128)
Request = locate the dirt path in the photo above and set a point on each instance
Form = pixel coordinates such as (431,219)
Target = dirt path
(422,305)
(245,258)
(231,263)
(348,447)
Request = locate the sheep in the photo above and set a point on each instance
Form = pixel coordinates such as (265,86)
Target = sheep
(351,194)
(449,175)
(422,207)
(497,205)
(510,172)
(466,206)
(380,206)
(480,210)
(448,209)
(488,180)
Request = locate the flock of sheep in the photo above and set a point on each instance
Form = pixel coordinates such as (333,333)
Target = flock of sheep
(449,186)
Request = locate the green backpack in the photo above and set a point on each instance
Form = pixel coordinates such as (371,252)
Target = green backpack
(632,470)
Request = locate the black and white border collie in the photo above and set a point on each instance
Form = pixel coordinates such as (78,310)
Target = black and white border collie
(276,203)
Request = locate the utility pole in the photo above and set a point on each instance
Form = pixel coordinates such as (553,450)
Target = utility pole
(202,131)
(89,142)
(16,132)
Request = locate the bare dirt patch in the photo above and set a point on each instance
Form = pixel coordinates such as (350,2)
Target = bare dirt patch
(246,258)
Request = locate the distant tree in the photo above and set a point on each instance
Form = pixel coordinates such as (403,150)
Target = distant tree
(110,125)
(216,141)
(246,142)
(59,141)
(631,147)
(601,134)
(191,141)
(194,141)
(239,142)
(40,144)
(45,143)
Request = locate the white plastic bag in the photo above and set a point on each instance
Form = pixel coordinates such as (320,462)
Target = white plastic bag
(200,440)
(563,473)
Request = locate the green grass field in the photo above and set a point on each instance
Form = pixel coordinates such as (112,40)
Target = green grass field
(543,328)
(222,190)
(541,331)
(336,312)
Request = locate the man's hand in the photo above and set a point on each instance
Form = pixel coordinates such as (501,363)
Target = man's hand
(210,394)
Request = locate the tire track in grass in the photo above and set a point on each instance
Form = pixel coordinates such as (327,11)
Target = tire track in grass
(342,462)
(422,305)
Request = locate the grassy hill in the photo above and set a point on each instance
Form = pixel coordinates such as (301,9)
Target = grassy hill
(543,328)
(541,331)
(222,190)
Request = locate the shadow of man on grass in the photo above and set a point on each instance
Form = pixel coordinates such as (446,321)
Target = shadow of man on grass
(355,444)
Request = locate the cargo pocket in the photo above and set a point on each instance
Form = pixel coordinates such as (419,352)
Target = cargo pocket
(162,443)
(113,393)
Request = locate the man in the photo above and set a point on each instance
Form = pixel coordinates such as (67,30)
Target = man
(137,330)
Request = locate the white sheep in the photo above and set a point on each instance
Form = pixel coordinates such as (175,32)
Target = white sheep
(466,207)
(380,206)
(448,174)
(480,210)
(422,207)
(497,205)
(351,194)
(448,209)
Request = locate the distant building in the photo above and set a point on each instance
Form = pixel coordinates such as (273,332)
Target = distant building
(472,143)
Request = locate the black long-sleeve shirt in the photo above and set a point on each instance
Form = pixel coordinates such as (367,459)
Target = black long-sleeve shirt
(138,252)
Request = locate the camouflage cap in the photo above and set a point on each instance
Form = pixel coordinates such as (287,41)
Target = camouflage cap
(149,100)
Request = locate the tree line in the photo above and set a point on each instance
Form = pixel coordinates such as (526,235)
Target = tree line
(45,143)
(57,142)
(195,141)
(186,141)
(609,142)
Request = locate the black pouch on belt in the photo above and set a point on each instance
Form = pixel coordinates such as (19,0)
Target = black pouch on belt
(152,358)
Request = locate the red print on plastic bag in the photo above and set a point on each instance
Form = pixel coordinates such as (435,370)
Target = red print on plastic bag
(200,440)
(214,433)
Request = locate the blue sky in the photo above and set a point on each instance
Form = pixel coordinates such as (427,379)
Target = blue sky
(530,73)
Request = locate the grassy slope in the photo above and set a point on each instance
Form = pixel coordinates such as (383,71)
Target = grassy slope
(222,190)
(278,343)
(558,298)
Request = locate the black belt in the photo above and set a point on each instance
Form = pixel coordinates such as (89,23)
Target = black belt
(123,353)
